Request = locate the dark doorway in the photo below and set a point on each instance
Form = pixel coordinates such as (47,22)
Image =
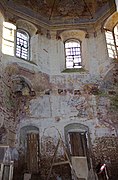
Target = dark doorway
(78,144)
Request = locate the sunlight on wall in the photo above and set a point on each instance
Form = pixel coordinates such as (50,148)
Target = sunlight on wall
(8,38)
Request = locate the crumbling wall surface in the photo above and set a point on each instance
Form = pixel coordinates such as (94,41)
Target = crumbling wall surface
(106,150)
(63,100)
(52,102)
(105,146)
(16,92)
(3,130)
(50,146)
(8,108)
(55,105)
(33,98)
(2,111)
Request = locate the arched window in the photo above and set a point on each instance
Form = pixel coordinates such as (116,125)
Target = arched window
(73,53)
(22,44)
(8,38)
(112,42)
(116,38)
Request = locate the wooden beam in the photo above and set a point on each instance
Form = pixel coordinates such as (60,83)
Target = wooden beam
(60,163)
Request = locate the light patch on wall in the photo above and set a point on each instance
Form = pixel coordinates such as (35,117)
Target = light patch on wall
(8,38)
(110,44)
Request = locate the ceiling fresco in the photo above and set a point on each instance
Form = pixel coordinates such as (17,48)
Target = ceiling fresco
(59,12)
(53,9)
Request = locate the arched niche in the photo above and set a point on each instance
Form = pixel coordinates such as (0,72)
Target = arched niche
(29,143)
(25,130)
(27,26)
(79,35)
(78,142)
(73,34)
(75,127)
(23,86)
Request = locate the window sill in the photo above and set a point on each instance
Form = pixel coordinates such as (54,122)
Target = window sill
(28,61)
(74,70)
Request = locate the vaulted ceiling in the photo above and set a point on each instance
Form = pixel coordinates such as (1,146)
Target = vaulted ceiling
(58,12)
(52,9)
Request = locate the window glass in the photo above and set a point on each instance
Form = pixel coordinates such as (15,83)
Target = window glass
(112,42)
(22,44)
(8,38)
(73,54)
(116,37)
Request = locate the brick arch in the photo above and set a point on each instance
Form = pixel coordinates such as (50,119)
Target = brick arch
(21,82)
(23,79)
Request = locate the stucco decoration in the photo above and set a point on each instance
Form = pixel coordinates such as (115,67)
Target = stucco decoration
(74,34)
(111,21)
(29,27)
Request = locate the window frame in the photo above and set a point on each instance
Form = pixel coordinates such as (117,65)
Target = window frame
(116,46)
(80,140)
(80,43)
(22,31)
(115,52)
(6,40)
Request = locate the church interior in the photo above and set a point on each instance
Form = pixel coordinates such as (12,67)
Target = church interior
(58,89)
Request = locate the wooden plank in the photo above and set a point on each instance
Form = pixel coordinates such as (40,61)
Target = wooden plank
(60,163)
(33,152)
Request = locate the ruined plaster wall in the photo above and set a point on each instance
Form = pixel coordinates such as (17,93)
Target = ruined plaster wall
(105,145)
(51,55)
(40,53)
(1,83)
(8,109)
(98,55)
(2,108)
(61,98)
(7,123)
(62,106)
(72,99)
